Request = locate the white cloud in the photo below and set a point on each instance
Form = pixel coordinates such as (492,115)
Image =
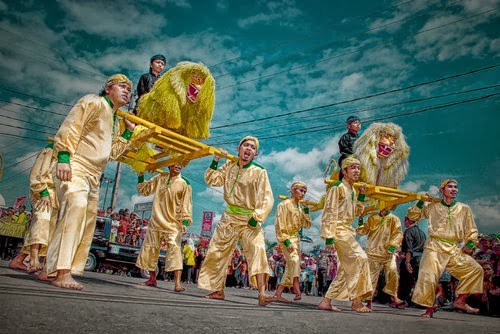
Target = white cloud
(127,21)
(486,213)
(449,40)
(180,3)
(276,12)
(351,81)
(413,186)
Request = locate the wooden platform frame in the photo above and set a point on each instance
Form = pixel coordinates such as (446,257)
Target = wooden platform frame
(184,148)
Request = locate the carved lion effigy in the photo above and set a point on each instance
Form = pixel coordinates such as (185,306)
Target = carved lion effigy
(383,153)
(181,100)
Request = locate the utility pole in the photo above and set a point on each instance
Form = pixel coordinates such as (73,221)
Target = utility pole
(114,195)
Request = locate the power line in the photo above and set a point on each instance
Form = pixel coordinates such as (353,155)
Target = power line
(352,52)
(324,45)
(335,113)
(34,96)
(22,120)
(367,120)
(22,137)
(31,107)
(366,97)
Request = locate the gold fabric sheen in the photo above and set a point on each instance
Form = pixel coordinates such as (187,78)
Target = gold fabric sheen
(43,222)
(171,206)
(290,218)
(449,227)
(87,134)
(353,279)
(247,188)
(382,232)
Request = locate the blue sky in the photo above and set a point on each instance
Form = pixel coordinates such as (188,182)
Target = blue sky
(288,72)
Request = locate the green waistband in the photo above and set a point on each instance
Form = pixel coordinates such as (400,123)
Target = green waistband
(445,240)
(238,210)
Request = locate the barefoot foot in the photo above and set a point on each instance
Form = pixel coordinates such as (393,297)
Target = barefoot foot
(360,308)
(17,262)
(265,299)
(149,283)
(465,308)
(326,306)
(66,281)
(215,295)
(281,299)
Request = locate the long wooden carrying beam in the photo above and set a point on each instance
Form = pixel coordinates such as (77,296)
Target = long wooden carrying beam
(378,197)
(184,148)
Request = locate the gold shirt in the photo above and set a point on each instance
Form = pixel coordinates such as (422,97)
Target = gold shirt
(382,232)
(450,224)
(172,202)
(341,206)
(290,218)
(41,175)
(87,134)
(246,187)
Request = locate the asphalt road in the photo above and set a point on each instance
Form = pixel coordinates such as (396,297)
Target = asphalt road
(115,304)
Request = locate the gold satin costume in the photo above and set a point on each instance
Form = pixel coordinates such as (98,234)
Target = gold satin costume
(172,206)
(384,235)
(88,135)
(43,222)
(290,218)
(449,226)
(249,199)
(353,278)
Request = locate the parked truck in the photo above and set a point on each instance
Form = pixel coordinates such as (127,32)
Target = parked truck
(106,255)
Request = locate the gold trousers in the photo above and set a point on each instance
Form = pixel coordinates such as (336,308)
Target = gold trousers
(390,272)
(353,276)
(150,250)
(78,202)
(292,268)
(230,230)
(462,266)
(43,224)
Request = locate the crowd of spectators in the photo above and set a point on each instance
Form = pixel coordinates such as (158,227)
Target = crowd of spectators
(19,215)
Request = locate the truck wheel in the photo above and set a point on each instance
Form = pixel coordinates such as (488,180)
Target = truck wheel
(91,263)
(145,273)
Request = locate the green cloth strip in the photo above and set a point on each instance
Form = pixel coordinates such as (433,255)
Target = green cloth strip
(420,204)
(185,222)
(127,134)
(252,222)
(329,241)
(287,242)
(391,249)
(238,210)
(44,193)
(306,210)
(140,178)
(471,244)
(63,157)
(214,164)
(361,197)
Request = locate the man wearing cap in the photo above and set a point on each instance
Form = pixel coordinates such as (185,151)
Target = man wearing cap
(147,80)
(249,199)
(452,237)
(291,217)
(170,217)
(346,142)
(383,230)
(84,143)
(341,206)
